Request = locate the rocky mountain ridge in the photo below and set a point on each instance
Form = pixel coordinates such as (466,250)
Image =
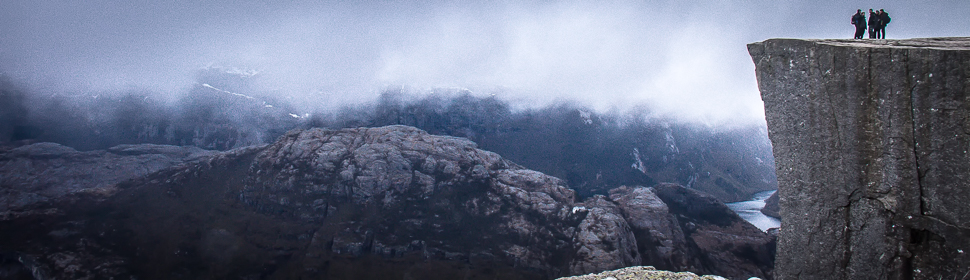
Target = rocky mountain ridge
(592,151)
(392,202)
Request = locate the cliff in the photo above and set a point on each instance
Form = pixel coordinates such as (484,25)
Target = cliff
(369,203)
(871,142)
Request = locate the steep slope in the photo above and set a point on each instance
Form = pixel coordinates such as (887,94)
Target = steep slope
(870,140)
(373,203)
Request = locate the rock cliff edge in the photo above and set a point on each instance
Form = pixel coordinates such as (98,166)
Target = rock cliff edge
(871,141)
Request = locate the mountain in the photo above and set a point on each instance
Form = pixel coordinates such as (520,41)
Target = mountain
(594,152)
(391,203)
(216,113)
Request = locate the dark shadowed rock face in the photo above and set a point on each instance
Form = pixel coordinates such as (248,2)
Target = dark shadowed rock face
(42,172)
(661,240)
(372,203)
(870,140)
(718,240)
(771,208)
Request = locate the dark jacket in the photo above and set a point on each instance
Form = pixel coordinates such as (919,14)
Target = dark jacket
(859,20)
(874,20)
(884,19)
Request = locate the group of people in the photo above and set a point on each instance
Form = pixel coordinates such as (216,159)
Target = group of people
(877,24)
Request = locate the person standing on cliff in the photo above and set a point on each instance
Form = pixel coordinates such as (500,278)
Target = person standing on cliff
(873,24)
(883,21)
(878,26)
(859,20)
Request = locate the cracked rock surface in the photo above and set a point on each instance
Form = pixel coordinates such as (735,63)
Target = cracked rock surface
(871,141)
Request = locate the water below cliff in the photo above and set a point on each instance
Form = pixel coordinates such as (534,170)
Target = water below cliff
(751,211)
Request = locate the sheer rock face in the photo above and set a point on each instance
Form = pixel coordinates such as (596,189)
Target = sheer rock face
(871,146)
(384,203)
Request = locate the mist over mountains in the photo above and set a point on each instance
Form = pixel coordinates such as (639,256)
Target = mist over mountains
(593,151)
(685,58)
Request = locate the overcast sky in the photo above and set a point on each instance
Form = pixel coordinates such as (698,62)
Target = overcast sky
(686,58)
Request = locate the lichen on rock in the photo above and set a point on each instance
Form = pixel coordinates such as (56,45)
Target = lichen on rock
(642,273)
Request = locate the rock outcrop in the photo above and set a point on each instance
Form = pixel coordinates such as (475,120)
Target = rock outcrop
(387,203)
(771,208)
(870,140)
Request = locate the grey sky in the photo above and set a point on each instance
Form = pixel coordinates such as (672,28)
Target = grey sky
(686,58)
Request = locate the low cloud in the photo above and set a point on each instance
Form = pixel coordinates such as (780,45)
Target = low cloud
(684,59)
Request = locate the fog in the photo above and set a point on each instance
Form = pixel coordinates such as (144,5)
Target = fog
(685,59)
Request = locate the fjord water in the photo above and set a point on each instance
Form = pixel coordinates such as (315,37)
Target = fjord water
(751,211)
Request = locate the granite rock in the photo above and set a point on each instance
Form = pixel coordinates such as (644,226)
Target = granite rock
(642,273)
(870,142)
(661,240)
(603,229)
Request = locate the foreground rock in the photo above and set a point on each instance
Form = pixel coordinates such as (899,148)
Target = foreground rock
(870,140)
(642,273)
(373,203)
